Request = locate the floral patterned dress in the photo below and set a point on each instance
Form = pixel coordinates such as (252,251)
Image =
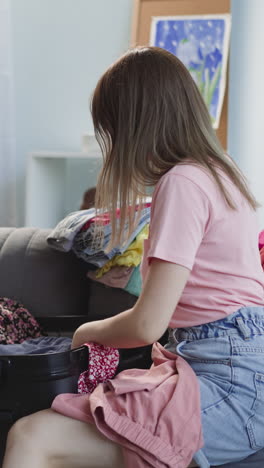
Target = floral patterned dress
(16,323)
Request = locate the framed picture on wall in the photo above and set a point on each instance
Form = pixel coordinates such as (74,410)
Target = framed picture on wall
(201,42)
(198,33)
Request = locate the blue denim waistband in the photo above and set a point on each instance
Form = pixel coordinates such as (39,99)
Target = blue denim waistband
(247,322)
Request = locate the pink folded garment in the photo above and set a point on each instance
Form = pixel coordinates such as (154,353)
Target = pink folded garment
(116,277)
(153,414)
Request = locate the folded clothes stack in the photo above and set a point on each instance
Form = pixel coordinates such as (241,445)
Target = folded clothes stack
(123,271)
(84,245)
(120,267)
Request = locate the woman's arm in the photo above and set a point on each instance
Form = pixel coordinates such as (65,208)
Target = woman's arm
(146,322)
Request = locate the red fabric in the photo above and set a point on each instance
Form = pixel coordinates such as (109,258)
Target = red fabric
(87,225)
(262,257)
(261,240)
(153,414)
(102,366)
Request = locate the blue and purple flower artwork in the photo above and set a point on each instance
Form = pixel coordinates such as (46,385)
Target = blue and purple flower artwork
(202,44)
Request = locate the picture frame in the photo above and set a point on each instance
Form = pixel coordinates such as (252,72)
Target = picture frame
(145,10)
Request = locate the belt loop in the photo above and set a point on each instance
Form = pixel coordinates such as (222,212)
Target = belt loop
(173,335)
(245,331)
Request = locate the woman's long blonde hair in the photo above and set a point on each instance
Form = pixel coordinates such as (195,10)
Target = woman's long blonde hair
(148,116)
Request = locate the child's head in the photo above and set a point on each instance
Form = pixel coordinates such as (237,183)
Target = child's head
(88,200)
(148,116)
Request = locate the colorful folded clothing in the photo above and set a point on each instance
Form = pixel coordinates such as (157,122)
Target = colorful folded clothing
(77,232)
(63,235)
(85,247)
(131,257)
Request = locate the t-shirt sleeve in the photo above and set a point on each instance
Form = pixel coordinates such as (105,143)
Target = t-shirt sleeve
(179,219)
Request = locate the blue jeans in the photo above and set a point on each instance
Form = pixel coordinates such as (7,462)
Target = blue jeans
(228,359)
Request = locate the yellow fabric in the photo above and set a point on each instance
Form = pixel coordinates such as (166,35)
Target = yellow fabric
(131,257)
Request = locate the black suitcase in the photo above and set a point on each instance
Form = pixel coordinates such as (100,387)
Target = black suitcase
(29,383)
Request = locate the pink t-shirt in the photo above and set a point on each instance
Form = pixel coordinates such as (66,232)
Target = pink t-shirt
(192,225)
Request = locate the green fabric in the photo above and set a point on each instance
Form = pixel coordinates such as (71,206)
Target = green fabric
(134,284)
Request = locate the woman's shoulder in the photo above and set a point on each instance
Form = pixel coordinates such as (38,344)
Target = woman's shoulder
(190,169)
(184,182)
(198,175)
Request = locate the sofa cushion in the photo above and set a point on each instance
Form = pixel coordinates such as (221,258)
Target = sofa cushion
(105,301)
(46,281)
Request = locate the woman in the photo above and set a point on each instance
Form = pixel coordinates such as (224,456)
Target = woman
(201,269)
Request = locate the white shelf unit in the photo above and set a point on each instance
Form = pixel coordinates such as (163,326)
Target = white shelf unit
(56,182)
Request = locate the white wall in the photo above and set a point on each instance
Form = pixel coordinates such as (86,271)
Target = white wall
(61,47)
(246,96)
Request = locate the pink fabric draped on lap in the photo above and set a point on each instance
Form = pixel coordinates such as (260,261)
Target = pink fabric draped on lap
(153,414)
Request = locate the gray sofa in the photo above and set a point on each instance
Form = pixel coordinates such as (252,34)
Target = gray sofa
(51,283)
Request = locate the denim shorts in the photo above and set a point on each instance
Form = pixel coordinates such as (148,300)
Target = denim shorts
(228,358)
